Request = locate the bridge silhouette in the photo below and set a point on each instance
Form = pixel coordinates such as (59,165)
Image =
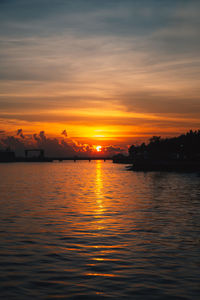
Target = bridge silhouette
(40,157)
(75,158)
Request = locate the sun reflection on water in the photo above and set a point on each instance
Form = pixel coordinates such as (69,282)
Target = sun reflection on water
(99,190)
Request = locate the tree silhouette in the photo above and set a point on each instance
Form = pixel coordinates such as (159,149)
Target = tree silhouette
(184,147)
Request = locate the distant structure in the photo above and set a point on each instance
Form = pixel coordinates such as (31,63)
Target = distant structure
(41,151)
(39,158)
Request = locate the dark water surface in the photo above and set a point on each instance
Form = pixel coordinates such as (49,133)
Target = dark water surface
(96,231)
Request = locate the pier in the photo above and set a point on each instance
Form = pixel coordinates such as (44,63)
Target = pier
(9,156)
(80,158)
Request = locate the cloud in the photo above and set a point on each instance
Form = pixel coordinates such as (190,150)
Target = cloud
(64,132)
(53,146)
(61,55)
(42,136)
(20,133)
(113,150)
(162,102)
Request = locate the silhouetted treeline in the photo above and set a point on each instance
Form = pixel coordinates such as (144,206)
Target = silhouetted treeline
(184,147)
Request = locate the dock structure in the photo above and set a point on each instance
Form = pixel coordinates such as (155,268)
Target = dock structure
(41,151)
(76,158)
(38,158)
(9,156)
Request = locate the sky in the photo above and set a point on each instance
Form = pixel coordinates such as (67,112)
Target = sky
(109,72)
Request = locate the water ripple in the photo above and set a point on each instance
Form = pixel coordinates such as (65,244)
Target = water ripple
(94,231)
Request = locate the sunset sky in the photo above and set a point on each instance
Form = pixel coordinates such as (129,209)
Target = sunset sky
(109,71)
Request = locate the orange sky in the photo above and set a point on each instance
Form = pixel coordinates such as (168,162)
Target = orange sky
(112,72)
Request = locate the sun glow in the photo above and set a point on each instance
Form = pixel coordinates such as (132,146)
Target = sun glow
(98,148)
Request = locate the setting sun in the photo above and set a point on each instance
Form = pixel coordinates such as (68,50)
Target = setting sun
(98,148)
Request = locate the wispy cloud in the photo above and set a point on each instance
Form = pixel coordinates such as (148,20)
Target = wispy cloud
(138,56)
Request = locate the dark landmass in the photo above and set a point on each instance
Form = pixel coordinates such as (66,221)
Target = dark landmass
(180,154)
(122,159)
(7,156)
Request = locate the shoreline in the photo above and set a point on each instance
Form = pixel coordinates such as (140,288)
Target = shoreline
(170,166)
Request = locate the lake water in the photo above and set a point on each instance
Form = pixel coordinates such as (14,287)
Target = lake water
(93,230)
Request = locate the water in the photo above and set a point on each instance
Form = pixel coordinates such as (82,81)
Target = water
(96,231)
